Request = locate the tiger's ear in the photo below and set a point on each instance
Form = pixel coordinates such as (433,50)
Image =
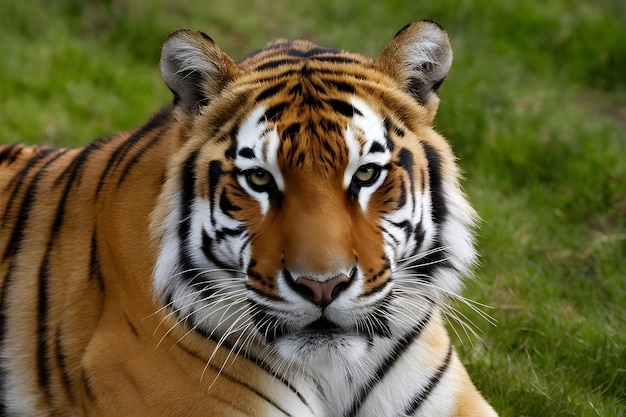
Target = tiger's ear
(194,68)
(418,58)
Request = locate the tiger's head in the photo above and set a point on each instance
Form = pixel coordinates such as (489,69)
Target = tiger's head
(312,208)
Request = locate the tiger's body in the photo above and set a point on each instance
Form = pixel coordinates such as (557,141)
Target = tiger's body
(280,242)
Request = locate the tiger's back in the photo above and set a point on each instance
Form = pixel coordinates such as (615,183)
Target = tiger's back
(281,241)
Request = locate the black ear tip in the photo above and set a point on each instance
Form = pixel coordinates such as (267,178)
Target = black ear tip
(426,21)
(433,23)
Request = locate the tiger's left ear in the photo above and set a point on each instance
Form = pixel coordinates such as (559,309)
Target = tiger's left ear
(418,58)
(195,69)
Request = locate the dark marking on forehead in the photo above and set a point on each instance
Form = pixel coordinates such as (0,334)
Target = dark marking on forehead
(247,153)
(231,152)
(296,90)
(275,63)
(344,108)
(270,92)
(389,128)
(291,131)
(335,59)
(377,147)
(342,86)
(273,113)
(309,53)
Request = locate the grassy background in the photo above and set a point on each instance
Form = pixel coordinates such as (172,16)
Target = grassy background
(535,107)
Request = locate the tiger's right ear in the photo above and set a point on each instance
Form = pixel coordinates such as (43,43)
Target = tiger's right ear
(195,69)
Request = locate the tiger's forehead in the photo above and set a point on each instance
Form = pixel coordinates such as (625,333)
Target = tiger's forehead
(329,142)
(282,53)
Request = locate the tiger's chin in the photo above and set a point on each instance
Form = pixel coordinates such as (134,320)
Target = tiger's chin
(322,344)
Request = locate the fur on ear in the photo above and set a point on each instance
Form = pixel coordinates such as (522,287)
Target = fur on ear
(418,58)
(194,68)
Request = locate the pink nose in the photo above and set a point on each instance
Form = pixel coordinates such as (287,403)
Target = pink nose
(322,293)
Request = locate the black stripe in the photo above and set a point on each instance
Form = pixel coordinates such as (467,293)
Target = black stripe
(7,154)
(273,113)
(265,322)
(402,197)
(164,118)
(274,77)
(187,190)
(215,175)
(18,179)
(291,131)
(344,108)
(62,364)
(75,168)
(439,207)
(125,147)
(342,86)
(131,326)
(313,52)
(281,378)
(396,353)
(396,241)
(405,226)
(275,63)
(244,384)
(389,127)
(377,147)
(187,187)
(223,233)
(207,249)
(405,161)
(246,153)
(270,92)
(425,392)
(43,365)
(227,206)
(87,385)
(15,244)
(94,263)
(73,172)
(338,59)
(378,323)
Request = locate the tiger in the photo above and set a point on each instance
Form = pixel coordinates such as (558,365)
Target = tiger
(284,239)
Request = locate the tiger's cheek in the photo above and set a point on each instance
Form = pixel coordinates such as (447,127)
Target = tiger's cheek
(370,243)
(266,258)
(370,255)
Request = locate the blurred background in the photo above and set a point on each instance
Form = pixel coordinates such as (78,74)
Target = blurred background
(534,106)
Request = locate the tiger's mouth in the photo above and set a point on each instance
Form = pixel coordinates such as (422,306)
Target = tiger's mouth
(324,326)
(330,312)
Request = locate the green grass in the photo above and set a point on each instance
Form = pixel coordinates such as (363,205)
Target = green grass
(535,107)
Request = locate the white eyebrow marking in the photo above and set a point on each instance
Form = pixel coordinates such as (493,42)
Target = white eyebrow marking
(253,134)
(364,130)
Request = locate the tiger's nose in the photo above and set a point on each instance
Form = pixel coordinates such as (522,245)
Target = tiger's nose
(322,293)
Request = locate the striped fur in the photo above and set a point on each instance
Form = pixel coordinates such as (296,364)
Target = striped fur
(283,241)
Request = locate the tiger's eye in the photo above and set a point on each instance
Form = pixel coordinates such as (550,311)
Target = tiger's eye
(367,174)
(259,178)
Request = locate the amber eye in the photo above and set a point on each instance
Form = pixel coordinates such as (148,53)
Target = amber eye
(366,175)
(259,179)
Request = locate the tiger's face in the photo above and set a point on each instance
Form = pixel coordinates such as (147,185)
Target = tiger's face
(313,211)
